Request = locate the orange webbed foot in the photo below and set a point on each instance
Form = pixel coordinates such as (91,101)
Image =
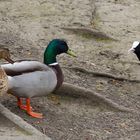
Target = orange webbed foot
(20,105)
(24,107)
(28,108)
(30,112)
(35,114)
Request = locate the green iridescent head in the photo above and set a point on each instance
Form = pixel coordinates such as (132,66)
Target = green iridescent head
(54,48)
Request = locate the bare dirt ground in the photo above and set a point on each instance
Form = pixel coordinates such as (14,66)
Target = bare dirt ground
(27,26)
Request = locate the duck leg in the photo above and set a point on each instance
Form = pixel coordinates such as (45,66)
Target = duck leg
(20,105)
(30,112)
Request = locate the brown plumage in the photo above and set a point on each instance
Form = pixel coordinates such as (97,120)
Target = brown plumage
(5,54)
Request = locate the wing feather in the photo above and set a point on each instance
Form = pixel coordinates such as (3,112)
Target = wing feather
(19,68)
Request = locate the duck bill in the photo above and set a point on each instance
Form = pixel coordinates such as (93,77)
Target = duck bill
(70,52)
(9,60)
(131,50)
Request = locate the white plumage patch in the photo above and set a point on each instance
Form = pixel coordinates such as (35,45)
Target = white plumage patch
(53,64)
(134,45)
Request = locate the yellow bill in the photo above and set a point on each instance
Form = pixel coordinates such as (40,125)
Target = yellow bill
(70,52)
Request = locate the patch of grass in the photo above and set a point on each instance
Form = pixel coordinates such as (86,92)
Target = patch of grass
(104,39)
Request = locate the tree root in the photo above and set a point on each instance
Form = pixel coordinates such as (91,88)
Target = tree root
(100,74)
(75,91)
(89,32)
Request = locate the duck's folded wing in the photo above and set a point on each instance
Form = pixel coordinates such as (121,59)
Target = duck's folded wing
(24,67)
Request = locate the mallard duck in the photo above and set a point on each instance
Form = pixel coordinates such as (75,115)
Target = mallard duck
(28,79)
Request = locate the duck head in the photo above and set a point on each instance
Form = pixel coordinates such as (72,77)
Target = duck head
(54,48)
(135,48)
(5,54)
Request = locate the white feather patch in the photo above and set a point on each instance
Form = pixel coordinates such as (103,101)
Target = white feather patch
(53,64)
(134,45)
